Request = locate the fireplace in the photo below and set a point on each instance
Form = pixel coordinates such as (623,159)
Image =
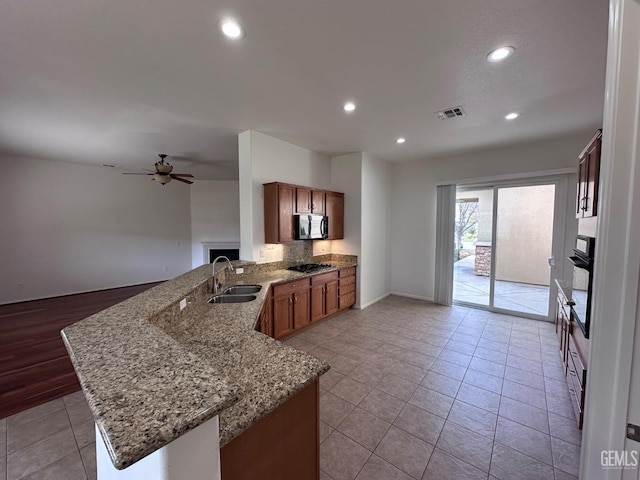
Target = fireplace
(212,250)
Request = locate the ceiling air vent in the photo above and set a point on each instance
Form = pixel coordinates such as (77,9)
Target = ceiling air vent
(451,113)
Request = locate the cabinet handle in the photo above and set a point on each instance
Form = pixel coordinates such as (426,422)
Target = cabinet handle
(290,302)
(309,206)
(295,299)
(293,286)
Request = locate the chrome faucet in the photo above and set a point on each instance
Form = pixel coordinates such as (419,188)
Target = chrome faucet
(216,284)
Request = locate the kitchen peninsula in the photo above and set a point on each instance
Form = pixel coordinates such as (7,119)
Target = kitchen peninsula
(153,372)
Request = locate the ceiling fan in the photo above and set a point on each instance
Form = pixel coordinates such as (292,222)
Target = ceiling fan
(163,173)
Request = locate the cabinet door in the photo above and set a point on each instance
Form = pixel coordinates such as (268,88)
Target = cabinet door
(588,178)
(331,297)
(301,314)
(286,207)
(335,212)
(303,200)
(317,302)
(267,312)
(282,315)
(317,202)
(593,175)
(583,171)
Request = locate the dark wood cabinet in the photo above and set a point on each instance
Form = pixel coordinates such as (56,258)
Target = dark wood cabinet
(291,307)
(279,207)
(574,352)
(284,445)
(563,312)
(588,178)
(282,201)
(334,205)
(309,201)
(346,287)
(324,295)
(294,305)
(265,320)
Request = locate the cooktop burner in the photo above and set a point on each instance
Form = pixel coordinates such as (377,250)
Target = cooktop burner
(309,267)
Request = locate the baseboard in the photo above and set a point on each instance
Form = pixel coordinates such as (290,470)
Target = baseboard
(376,300)
(415,297)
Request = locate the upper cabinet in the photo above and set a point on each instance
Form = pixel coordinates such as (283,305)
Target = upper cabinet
(282,201)
(588,178)
(279,207)
(335,212)
(309,201)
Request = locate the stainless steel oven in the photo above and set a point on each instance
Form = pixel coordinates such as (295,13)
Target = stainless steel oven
(582,261)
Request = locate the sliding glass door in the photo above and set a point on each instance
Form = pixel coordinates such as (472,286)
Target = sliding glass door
(505,238)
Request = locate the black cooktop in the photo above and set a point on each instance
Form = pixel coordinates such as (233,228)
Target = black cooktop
(309,267)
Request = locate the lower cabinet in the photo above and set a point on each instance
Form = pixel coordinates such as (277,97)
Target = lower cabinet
(284,445)
(346,287)
(573,351)
(291,307)
(294,305)
(265,321)
(324,295)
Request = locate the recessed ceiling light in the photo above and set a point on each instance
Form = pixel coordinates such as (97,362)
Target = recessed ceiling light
(400,140)
(349,107)
(500,54)
(231,29)
(511,116)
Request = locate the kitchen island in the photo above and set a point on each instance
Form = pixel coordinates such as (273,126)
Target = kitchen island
(151,371)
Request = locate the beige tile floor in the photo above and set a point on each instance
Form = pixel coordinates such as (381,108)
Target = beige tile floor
(416,391)
(54,441)
(421,391)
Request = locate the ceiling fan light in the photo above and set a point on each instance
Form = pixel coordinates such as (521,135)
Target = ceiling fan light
(162,179)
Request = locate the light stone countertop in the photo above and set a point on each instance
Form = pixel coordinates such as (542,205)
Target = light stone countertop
(151,372)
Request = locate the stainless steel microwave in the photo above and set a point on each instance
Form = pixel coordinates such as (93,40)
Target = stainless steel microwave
(311,227)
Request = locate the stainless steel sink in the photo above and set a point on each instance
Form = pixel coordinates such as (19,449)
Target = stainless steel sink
(232,298)
(242,289)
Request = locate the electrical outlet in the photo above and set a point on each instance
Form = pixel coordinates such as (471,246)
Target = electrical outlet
(239,271)
(261,253)
(183,304)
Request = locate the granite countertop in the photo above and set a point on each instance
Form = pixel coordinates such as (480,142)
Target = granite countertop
(151,372)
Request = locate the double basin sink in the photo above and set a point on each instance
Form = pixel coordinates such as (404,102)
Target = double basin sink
(236,294)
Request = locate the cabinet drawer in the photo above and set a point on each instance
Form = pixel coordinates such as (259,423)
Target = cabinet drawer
(347,300)
(576,363)
(344,281)
(286,288)
(324,278)
(345,272)
(347,289)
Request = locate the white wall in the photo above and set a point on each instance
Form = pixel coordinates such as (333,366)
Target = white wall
(413,199)
(374,260)
(69,228)
(215,215)
(346,177)
(265,159)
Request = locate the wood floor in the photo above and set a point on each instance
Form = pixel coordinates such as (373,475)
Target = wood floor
(34,365)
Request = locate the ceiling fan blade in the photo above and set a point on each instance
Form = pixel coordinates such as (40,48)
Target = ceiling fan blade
(183,174)
(131,173)
(181,179)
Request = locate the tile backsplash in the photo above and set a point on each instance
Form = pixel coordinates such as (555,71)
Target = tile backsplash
(297,252)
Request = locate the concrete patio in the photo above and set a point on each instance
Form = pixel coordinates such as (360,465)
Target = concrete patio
(518,297)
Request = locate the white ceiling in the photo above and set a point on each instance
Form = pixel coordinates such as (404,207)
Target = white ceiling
(120,81)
